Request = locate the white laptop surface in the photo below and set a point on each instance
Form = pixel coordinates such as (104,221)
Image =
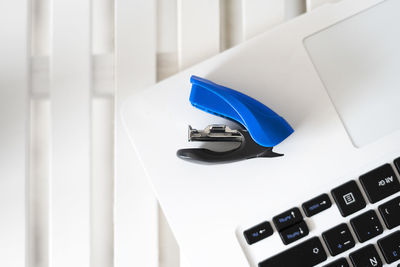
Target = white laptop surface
(333,75)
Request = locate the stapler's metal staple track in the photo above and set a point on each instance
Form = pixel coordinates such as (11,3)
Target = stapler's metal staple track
(215,133)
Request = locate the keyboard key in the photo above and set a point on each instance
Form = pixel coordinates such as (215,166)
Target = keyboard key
(258,232)
(380,183)
(293,233)
(342,262)
(306,254)
(390,213)
(348,198)
(338,239)
(390,247)
(316,205)
(366,257)
(288,218)
(366,226)
(397,164)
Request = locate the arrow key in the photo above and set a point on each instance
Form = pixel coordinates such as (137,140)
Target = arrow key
(317,205)
(294,233)
(258,232)
(287,218)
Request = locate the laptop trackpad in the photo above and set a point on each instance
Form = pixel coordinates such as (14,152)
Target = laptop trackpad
(358,60)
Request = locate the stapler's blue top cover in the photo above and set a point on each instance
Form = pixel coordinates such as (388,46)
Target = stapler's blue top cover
(265,126)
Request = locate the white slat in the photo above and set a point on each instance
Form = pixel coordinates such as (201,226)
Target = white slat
(102,26)
(103,75)
(70,103)
(40,76)
(135,207)
(167,41)
(102,182)
(103,47)
(231,23)
(198,31)
(102,137)
(167,65)
(260,15)
(39,134)
(39,182)
(40,24)
(198,39)
(41,42)
(14,78)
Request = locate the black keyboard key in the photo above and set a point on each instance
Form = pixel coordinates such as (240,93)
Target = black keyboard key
(366,257)
(306,254)
(287,218)
(390,247)
(342,262)
(390,212)
(397,164)
(366,226)
(349,199)
(316,205)
(339,239)
(258,232)
(380,183)
(293,233)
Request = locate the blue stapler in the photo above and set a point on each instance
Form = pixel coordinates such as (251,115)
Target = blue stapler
(259,129)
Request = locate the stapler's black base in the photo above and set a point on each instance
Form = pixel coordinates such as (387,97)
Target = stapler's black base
(248,149)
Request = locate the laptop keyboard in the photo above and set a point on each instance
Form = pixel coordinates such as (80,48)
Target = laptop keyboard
(377,185)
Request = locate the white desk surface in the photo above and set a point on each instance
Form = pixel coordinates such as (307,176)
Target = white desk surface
(208,206)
